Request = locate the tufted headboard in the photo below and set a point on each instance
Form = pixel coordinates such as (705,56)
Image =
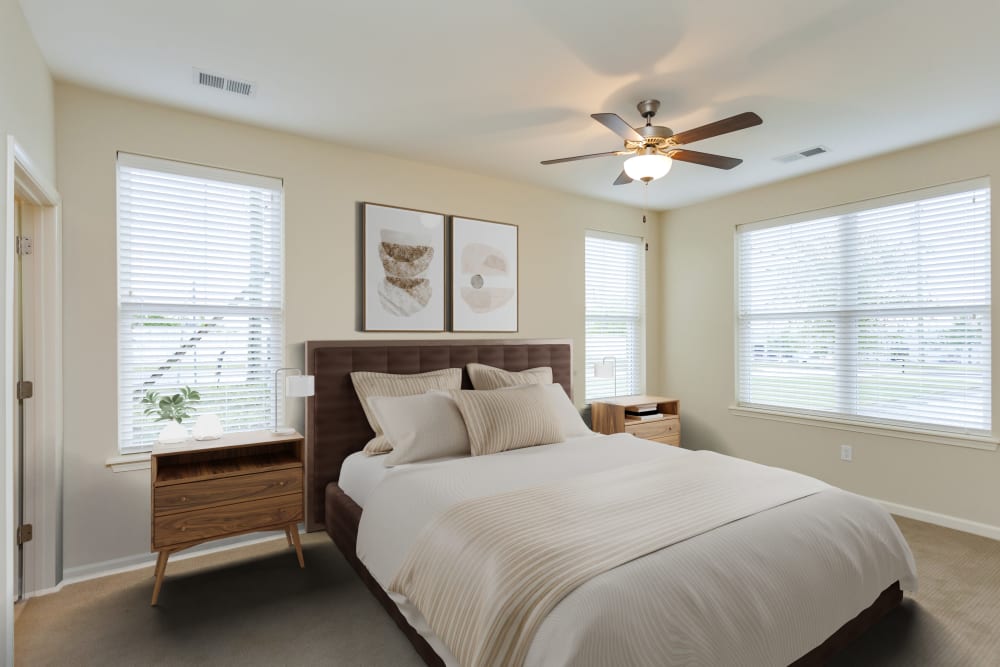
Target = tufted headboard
(335,423)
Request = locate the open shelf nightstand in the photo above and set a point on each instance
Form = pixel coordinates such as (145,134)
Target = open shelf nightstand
(608,416)
(240,483)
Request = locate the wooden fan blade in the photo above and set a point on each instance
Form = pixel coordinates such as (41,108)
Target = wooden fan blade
(732,124)
(622,179)
(617,124)
(707,159)
(580,157)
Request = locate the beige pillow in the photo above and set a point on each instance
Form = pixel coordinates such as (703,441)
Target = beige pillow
(490,377)
(565,412)
(426,426)
(501,419)
(368,384)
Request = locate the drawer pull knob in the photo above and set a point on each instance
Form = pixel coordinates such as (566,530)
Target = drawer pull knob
(281,483)
(184,499)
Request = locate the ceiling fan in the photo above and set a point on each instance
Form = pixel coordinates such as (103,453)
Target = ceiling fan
(653,147)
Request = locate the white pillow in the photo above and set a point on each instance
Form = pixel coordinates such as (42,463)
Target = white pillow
(425,426)
(368,384)
(565,412)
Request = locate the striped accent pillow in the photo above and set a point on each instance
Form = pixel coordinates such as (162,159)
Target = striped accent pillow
(500,420)
(490,377)
(368,384)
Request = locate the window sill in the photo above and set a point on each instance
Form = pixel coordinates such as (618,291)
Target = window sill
(985,443)
(128,462)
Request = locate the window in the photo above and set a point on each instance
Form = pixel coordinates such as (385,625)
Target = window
(878,311)
(199,292)
(614,278)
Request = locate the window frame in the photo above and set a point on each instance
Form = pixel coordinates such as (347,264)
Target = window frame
(939,434)
(196,171)
(640,321)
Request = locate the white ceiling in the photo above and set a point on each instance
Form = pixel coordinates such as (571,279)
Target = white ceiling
(495,87)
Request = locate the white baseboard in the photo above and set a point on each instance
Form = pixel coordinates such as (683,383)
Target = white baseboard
(945,520)
(135,562)
(74,575)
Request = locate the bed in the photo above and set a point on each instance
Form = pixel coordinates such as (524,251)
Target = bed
(711,612)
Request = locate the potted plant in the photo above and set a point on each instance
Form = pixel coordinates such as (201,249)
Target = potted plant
(174,409)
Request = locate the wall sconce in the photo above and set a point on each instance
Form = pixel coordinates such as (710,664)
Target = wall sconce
(607,369)
(297,385)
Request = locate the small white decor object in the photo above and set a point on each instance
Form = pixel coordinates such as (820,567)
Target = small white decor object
(208,427)
(172,433)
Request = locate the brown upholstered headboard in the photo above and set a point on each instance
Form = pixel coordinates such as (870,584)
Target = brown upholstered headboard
(335,423)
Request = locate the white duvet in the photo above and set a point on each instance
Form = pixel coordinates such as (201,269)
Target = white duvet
(763,590)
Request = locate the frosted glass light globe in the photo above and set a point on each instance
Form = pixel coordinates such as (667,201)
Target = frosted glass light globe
(647,167)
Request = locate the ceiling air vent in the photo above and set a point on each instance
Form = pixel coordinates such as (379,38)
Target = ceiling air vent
(808,152)
(225,83)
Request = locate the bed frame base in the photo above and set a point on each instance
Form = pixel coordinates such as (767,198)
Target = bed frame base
(343,516)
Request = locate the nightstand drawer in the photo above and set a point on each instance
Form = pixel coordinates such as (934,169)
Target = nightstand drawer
(209,492)
(674,440)
(203,524)
(654,429)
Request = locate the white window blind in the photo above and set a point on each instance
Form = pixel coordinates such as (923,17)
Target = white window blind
(199,292)
(614,313)
(879,311)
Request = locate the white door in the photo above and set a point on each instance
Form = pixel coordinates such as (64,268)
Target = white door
(19,414)
(24,302)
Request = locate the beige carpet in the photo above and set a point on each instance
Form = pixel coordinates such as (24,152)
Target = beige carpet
(254,606)
(954,619)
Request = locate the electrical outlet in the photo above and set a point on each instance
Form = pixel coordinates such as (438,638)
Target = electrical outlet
(846,453)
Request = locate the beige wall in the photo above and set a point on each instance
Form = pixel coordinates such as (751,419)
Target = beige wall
(25,91)
(106,514)
(698,338)
(26,114)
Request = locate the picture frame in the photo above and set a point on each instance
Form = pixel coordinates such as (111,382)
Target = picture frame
(403,269)
(484,276)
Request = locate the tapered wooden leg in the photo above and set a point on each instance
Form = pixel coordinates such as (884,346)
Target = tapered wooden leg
(288,535)
(294,532)
(161,568)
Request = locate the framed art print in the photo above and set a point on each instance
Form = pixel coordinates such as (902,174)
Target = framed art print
(403,269)
(483,275)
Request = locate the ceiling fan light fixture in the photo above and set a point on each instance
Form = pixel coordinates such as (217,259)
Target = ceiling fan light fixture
(648,167)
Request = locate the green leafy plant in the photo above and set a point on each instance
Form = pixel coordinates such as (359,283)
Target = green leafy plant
(171,408)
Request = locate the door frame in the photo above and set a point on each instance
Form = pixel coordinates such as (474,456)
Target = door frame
(42,462)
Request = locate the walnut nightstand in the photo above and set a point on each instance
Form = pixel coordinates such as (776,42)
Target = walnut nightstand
(240,483)
(608,416)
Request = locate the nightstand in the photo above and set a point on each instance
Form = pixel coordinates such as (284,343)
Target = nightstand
(608,415)
(240,483)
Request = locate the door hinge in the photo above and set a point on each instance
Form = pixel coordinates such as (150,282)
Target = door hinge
(24,533)
(24,245)
(25,389)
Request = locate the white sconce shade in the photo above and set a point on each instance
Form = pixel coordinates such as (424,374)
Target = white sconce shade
(297,385)
(604,371)
(648,167)
(300,386)
(607,369)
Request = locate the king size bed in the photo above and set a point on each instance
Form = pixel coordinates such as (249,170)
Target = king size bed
(591,549)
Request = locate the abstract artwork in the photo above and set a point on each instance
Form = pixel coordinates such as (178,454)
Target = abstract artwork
(403,269)
(483,275)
